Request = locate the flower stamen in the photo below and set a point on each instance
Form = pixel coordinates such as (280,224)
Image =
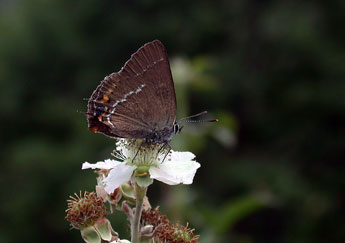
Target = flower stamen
(142,174)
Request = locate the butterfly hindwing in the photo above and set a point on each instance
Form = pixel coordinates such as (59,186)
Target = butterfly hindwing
(137,100)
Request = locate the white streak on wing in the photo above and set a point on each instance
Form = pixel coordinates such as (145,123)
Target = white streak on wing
(149,66)
(108,120)
(111,112)
(130,93)
(138,90)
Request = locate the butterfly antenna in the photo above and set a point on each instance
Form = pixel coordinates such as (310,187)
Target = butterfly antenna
(196,115)
(186,119)
(201,121)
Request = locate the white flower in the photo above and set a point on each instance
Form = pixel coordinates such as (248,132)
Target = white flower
(175,168)
(121,241)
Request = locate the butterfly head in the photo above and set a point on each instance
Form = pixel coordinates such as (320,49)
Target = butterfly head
(177,128)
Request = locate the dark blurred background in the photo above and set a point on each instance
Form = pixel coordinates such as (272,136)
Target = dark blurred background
(271,71)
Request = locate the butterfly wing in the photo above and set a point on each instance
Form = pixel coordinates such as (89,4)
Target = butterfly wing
(137,100)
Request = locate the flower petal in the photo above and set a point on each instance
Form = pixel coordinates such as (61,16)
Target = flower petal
(180,169)
(107,164)
(178,156)
(120,174)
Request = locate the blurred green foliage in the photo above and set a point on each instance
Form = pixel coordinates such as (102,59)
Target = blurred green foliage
(271,71)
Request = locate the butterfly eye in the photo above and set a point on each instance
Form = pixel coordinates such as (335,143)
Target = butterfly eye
(177,128)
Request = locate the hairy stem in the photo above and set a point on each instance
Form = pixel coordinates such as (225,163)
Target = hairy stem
(135,224)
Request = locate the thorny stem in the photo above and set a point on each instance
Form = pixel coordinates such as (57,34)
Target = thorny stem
(135,224)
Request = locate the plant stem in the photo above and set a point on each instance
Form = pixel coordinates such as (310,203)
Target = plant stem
(135,224)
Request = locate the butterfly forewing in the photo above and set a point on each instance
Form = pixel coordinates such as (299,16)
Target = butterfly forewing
(138,100)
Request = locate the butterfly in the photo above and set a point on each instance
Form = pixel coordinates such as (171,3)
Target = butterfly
(139,101)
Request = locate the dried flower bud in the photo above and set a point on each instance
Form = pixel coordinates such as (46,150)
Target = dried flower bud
(85,210)
(154,217)
(87,213)
(166,232)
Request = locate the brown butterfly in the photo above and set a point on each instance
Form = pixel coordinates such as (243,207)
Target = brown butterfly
(139,101)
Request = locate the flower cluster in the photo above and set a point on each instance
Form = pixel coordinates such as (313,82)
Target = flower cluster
(122,182)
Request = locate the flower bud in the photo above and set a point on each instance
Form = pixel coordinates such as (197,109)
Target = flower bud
(87,213)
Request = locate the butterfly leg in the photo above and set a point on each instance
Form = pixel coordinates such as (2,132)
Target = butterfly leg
(170,148)
(160,149)
(141,144)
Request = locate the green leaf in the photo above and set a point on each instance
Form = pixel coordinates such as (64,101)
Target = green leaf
(104,229)
(90,235)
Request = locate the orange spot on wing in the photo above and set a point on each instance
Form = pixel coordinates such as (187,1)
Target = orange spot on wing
(93,129)
(99,118)
(105,99)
